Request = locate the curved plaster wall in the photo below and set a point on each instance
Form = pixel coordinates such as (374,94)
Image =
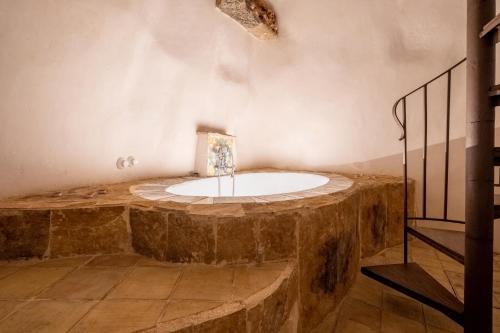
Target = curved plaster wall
(83,82)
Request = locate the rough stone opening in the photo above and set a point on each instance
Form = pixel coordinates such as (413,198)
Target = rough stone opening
(256,16)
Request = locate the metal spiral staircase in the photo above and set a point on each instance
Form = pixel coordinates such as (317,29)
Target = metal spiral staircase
(474,248)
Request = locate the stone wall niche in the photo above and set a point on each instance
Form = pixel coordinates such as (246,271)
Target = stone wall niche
(257,16)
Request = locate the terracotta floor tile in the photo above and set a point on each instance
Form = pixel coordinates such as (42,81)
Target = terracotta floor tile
(205,283)
(86,283)
(432,329)
(119,260)
(403,307)
(249,280)
(350,326)
(28,282)
(362,313)
(496,301)
(457,282)
(110,316)
(439,320)
(7,307)
(437,273)
(7,270)
(453,267)
(367,293)
(443,257)
(64,262)
(20,262)
(427,261)
(45,316)
(418,243)
(178,309)
(147,283)
(392,323)
(377,260)
(145,262)
(496,318)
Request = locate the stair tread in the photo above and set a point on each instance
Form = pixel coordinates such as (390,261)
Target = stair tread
(450,242)
(490,26)
(414,281)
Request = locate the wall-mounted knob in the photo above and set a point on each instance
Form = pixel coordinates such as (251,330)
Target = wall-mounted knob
(128,162)
(121,163)
(132,161)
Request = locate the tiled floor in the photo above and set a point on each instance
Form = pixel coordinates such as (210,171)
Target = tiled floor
(372,307)
(117,293)
(123,293)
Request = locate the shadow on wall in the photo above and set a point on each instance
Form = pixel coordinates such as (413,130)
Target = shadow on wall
(210,129)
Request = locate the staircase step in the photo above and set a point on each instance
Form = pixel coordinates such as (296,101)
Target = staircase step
(412,280)
(490,26)
(449,242)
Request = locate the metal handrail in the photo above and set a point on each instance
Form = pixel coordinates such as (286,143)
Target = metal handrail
(403,137)
(395,107)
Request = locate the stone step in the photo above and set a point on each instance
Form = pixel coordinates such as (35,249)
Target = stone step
(134,293)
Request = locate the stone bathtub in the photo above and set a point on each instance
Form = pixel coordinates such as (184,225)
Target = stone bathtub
(253,184)
(324,230)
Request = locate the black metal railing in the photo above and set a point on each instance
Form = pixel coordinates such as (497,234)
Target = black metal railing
(403,125)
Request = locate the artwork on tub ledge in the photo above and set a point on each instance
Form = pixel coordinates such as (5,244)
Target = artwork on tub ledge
(208,147)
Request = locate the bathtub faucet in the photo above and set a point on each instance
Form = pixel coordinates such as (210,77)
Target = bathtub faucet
(224,155)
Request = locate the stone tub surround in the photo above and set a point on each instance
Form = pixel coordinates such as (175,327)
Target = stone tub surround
(130,293)
(326,234)
(157,191)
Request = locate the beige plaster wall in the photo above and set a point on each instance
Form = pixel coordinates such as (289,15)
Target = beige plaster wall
(85,81)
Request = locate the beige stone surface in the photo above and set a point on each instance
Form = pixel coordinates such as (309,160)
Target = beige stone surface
(323,230)
(328,258)
(89,231)
(147,283)
(249,280)
(29,282)
(112,316)
(231,246)
(278,235)
(257,16)
(149,232)
(86,283)
(118,295)
(182,308)
(232,322)
(23,233)
(373,219)
(190,239)
(205,283)
(274,309)
(46,317)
